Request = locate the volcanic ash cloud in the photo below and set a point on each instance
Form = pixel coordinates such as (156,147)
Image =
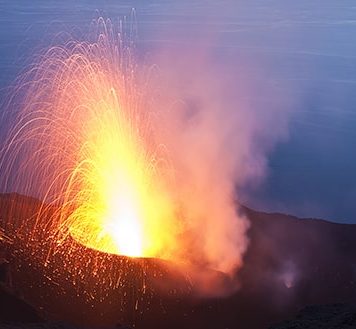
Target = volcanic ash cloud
(139,163)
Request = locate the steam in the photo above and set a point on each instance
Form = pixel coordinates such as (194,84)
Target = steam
(219,143)
(216,138)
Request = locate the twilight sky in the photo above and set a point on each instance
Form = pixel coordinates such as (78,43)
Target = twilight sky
(304,50)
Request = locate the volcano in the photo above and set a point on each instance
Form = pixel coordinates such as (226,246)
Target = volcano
(290,263)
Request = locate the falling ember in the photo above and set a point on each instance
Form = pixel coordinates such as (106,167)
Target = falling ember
(114,171)
(121,208)
(85,139)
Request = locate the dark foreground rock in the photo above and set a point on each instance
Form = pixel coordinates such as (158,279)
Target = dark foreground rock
(290,263)
(48,325)
(335,316)
(38,325)
(14,310)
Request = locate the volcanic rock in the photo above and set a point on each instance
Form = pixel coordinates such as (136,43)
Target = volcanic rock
(14,310)
(290,263)
(335,316)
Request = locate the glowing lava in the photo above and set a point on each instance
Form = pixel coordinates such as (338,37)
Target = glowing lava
(122,205)
(115,169)
(86,141)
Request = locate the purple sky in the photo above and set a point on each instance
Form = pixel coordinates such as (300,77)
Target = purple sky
(305,51)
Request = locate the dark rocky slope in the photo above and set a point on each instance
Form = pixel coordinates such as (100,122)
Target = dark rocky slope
(290,263)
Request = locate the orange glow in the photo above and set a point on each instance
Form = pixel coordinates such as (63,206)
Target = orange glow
(122,209)
(86,140)
(118,165)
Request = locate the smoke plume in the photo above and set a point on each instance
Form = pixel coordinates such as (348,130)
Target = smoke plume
(202,113)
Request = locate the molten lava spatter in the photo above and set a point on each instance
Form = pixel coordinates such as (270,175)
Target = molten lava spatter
(116,166)
(123,207)
(86,140)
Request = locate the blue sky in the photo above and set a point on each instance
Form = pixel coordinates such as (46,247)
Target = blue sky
(306,50)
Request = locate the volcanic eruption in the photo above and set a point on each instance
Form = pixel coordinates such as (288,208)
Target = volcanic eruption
(83,142)
(123,183)
(117,176)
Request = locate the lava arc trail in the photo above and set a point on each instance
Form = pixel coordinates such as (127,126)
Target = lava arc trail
(85,140)
(88,141)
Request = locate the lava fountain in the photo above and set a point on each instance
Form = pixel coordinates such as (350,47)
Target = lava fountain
(85,140)
(88,141)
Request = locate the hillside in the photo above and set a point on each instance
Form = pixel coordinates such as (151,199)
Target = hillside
(290,263)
